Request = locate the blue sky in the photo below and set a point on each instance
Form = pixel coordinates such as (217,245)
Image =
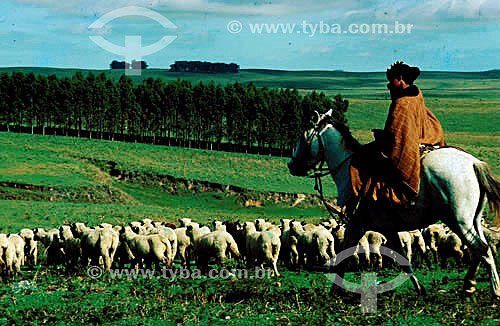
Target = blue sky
(452,35)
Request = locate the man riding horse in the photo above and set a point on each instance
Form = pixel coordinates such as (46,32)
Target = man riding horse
(396,150)
(377,181)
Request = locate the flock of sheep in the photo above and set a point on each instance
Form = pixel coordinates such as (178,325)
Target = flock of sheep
(293,243)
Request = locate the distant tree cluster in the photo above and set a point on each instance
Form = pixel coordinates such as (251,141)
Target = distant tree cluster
(204,67)
(242,115)
(125,65)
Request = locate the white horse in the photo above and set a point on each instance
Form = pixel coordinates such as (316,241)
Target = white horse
(454,188)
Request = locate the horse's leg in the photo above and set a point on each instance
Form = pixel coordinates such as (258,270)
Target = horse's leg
(470,231)
(349,245)
(394,243)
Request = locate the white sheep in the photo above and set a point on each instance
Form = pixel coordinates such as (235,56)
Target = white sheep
(185,221)
(30,247)
(262,247)
(362,247)
(324,243)
(369,244)
(449,245)
(329,224)
(172,237)
(70,245)
(376,240)
(153,248)
(262,225)
(338,234)
(50,240)
(7,255)
(306,244)
(215,244)
(431,235)
(219,226)
(411,241)
(183,246)
(18,243)
(96,244)
(289,254)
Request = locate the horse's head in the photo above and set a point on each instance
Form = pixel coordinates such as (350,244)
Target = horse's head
(307,153)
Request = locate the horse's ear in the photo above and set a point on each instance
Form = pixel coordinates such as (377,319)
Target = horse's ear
(318,117)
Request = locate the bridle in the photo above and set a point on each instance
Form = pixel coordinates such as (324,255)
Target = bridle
(319,171)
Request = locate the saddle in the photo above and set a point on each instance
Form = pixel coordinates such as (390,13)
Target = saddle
(374,176)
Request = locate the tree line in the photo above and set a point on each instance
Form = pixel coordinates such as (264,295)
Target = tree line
(204,67)
(123,65)
(205,115)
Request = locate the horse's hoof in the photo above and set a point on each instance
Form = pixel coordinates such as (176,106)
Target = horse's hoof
(469,292)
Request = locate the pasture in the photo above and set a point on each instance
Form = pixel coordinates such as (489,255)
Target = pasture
(47,181)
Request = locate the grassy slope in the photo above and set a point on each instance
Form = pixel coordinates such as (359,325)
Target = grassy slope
(61,165)
(467,108)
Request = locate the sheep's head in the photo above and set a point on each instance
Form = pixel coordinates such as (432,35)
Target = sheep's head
(249,227)
(189,231)
(184,221)
(39,233)
(296,227)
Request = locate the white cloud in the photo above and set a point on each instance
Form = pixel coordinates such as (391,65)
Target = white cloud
(316,50)
(83,28)
(221,7)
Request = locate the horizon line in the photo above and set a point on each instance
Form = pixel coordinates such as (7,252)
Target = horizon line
(268,69)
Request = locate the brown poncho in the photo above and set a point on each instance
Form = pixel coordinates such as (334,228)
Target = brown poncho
(411,123)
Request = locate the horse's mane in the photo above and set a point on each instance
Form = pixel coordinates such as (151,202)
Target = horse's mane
(350,142)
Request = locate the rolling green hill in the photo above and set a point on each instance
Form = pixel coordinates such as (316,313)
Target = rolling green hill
(46,180)
(344,82)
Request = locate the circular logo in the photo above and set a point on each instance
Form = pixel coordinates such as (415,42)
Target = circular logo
(369,286)
(234,26)
(94,272)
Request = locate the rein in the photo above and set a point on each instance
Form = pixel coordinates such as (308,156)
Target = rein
(319,172)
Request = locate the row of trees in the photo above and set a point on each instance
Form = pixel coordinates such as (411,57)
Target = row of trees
(204,67)
(123,65)
(243,115)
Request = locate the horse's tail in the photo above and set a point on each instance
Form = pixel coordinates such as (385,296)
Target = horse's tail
(490,185)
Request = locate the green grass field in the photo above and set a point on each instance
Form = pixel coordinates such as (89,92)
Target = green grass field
(46,181)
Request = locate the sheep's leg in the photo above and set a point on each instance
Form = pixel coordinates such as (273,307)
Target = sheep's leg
(182,255)
(295,256)
(378,255)
(324,258)
(275,268)
(220,257)
(34,255)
